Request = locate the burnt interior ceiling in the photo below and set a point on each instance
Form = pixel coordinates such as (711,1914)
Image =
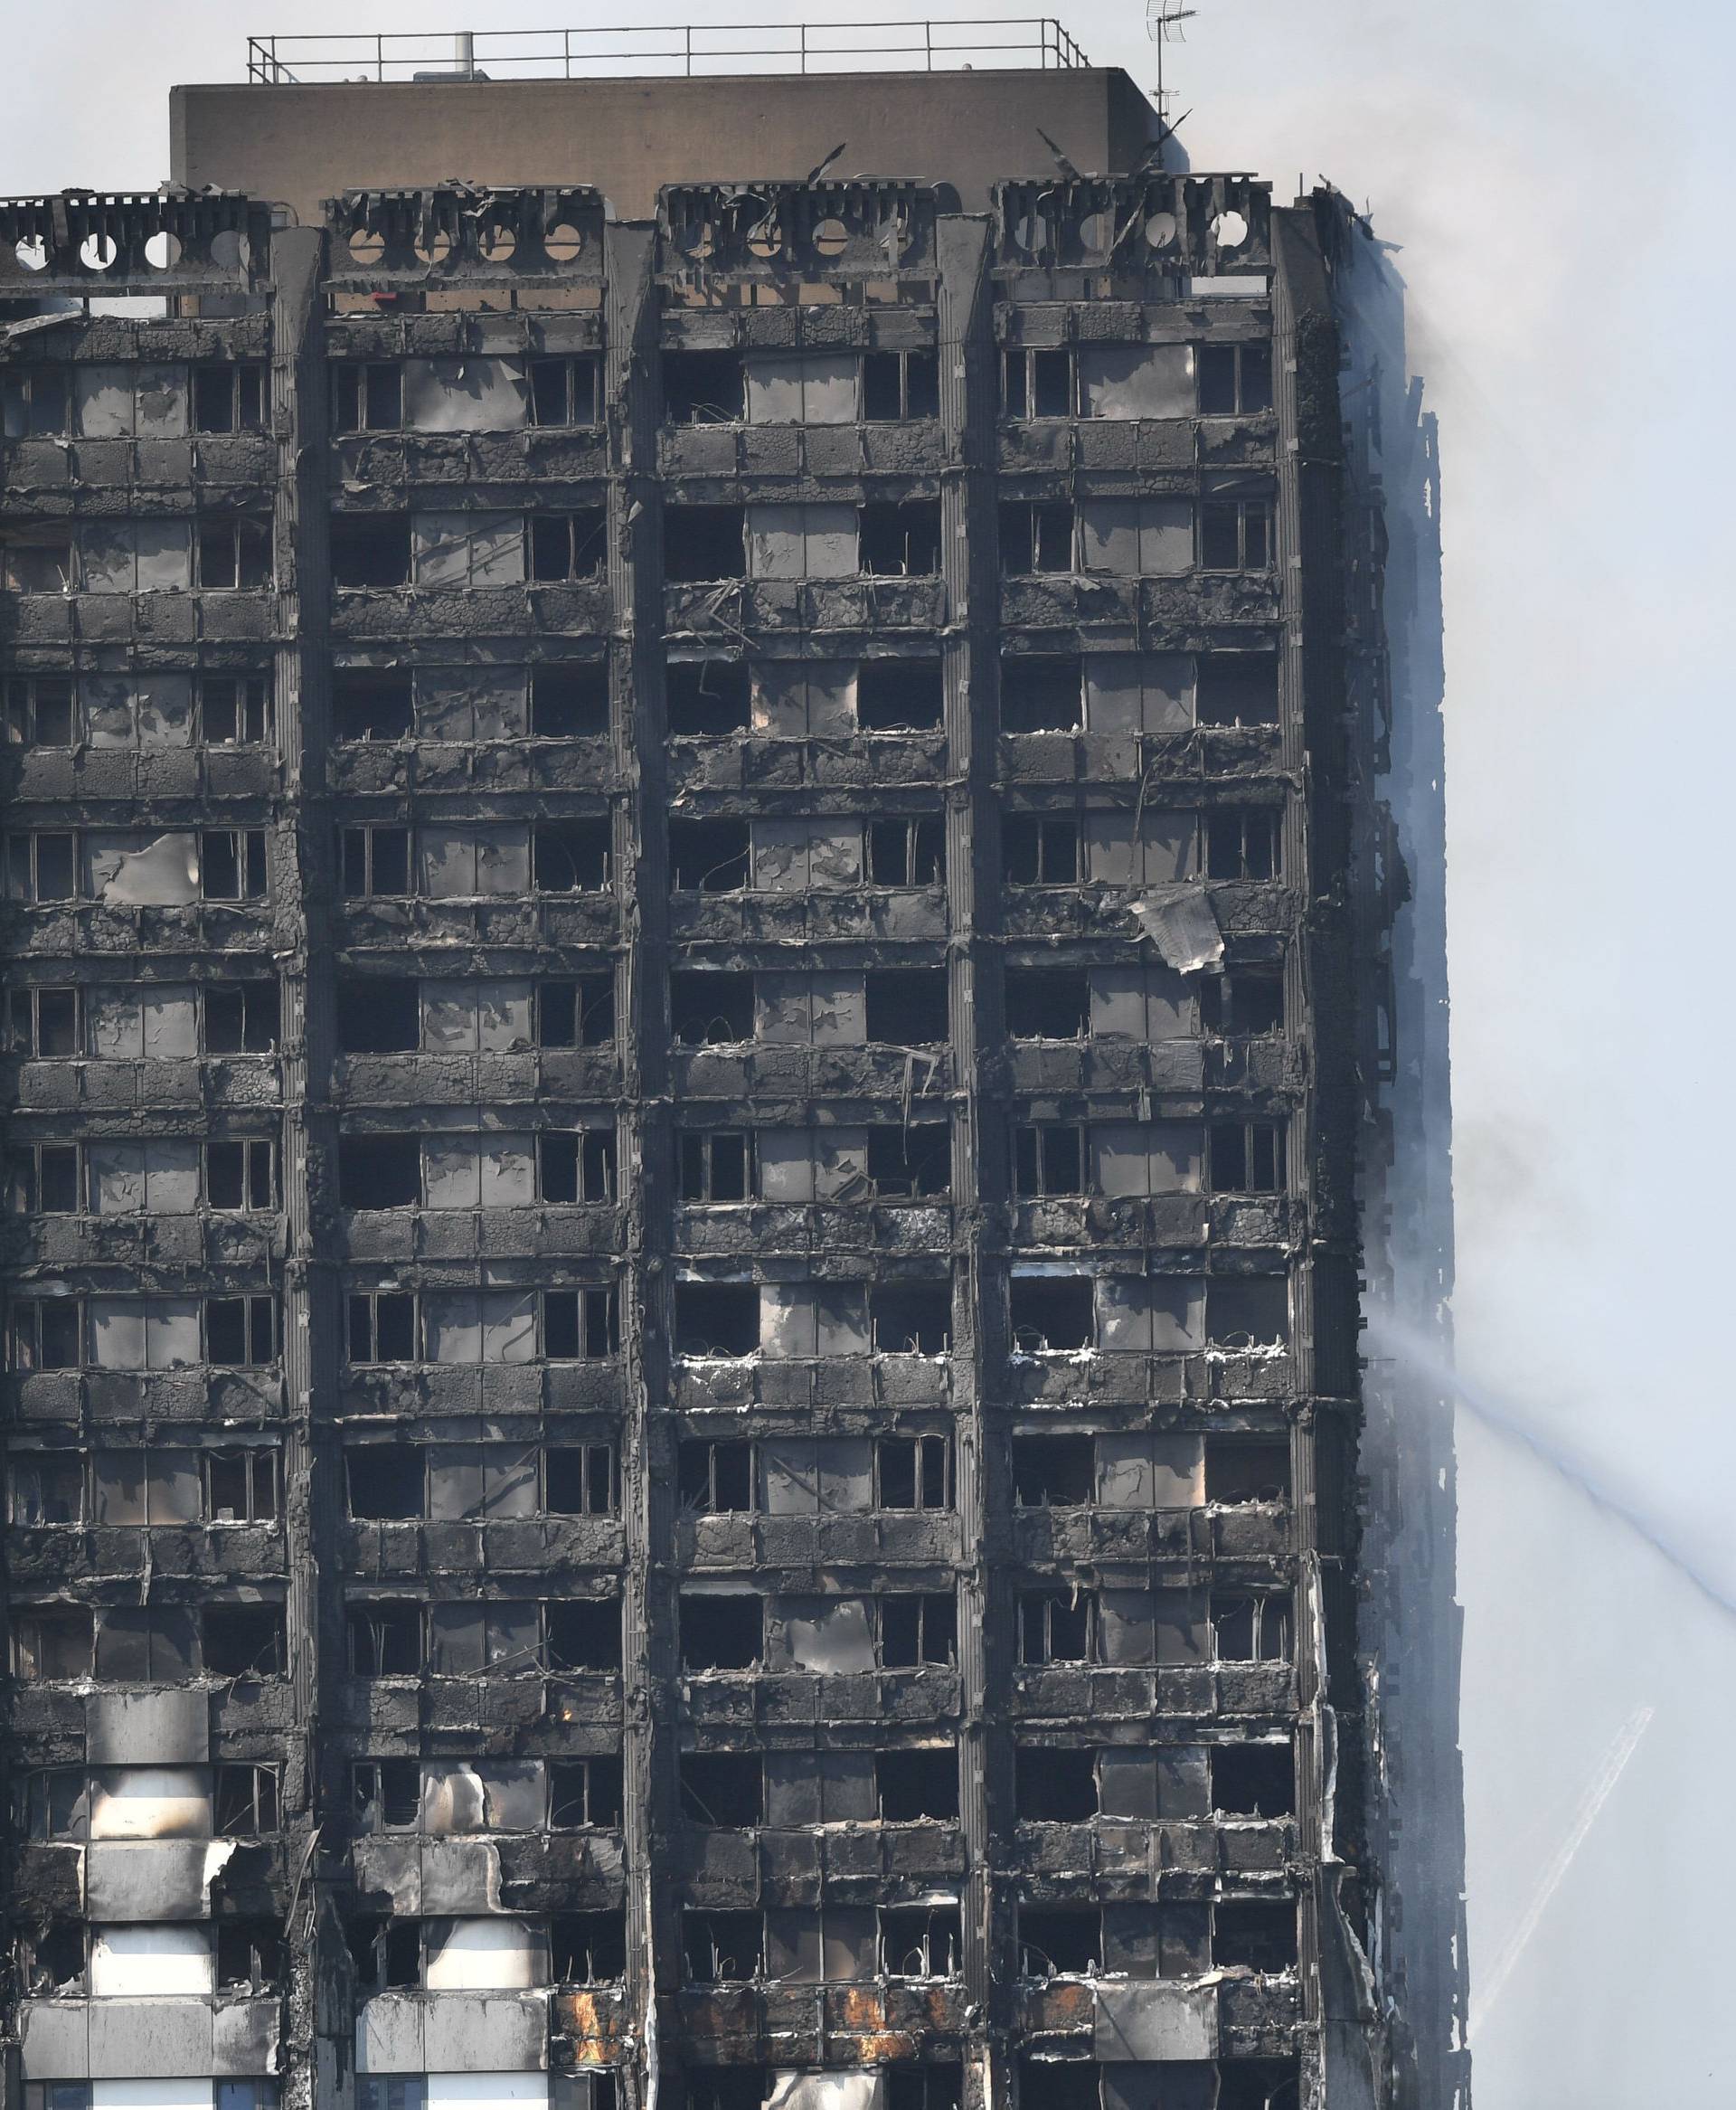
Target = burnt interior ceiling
(682,1103)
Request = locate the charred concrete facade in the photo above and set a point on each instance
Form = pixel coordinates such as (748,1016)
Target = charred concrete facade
(684,1109)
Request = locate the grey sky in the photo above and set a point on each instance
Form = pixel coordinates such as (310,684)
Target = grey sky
(1558,179)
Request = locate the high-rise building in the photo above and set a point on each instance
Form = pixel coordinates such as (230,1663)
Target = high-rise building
(714,1009)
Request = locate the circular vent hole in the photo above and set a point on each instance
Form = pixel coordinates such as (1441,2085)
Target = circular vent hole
(1160,230)
(97,251)
(831,238)
(367,246)
(562,243)
(1229,231)
(162,250)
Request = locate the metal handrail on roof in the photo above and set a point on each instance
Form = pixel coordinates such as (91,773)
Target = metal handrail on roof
(677,49)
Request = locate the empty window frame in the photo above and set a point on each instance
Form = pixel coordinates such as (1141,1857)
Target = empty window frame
(899,539)
(42,711)
(1236,535)
(369,551)
(722,1790)
(232,554)
(1253,1780)
(229,396)
(375,863)
(576,1167)
(1049,1157)
(43,866)
(1236,689)
(576,1012)
(241,1486)
(1055,1784)
(579,1325)
(1234,380)
(1054,1471)
(897,386)
(1244,842)
(717,1319)
(1041,693)
(1047,1004)
(906,1007)
(1042,849)
(912,1472)
(35,401)
(712,856)
(1244,1001)
(1247,1157)
(370,705)
(367,395)
(567,392)
(916,1630)
(244,1801)
(241,1332)
(1051,1313)
(242,1173)
(704,388)
(1251,1626)
(382,1327)
(1242,1469)
(51,1643)
(1038,381)
(51,1802)
(910,1161)
(45,1022)
(720,1631)
(1058,1626)
(703,543)
(232,864)
(587,1948)
(45,1488)
(569,546)
(585,1793)
(715,1478)
(244,1018)
(707,698)
(46,1179)
(235,709)
(581,1479)
(46,1333)
(1036,536)
(910,850)
(242,1641)
(900,695)
(910,1318)
(386,1639)
(570,703)
(718,1164)
(571,856)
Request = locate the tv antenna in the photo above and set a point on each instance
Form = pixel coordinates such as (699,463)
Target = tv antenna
(1163,19)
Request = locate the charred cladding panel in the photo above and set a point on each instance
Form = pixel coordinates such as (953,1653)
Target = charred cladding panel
(683,1384)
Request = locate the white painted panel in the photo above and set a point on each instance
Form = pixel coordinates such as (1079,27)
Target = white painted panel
(482,1955)
(134,2094)
(171,1023)
(1136,381)
(137,1961)
(151,1801)
(829,388)
(835,2088)
(487,2091)
(472,394)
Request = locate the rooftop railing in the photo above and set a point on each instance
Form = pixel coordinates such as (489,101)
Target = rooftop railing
(638,49)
